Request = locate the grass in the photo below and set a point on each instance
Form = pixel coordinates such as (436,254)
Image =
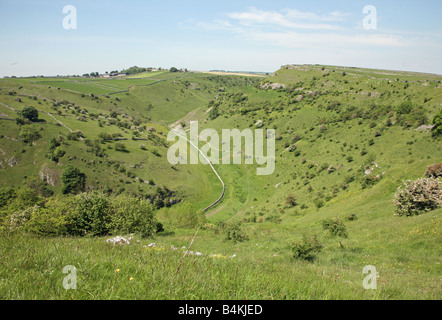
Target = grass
(405,251)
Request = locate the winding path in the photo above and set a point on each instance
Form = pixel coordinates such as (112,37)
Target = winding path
(208,161)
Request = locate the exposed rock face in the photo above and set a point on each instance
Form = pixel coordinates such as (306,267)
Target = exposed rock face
(272,86)
(5,161)
(51,176)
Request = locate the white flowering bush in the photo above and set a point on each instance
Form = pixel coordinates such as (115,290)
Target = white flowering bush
(417,197)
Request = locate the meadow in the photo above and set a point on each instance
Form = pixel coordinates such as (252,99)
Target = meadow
(332,125)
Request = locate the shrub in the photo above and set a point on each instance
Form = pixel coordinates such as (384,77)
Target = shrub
(234,233)
(434,171)
(417,197)
(92,215)
(75,135)
(369,180)
(51,220)
(29,113)
(336,227)
(73,180)
(290,200)
(6,195)
(404,108)
(17,219)
(318,203)
(29,134)
(437,122)
(133,215)
(119,146)
(306,248)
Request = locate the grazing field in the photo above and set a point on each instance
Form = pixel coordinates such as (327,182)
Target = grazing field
(346,140)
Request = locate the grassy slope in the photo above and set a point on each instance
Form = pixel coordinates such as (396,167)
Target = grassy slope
(405,251)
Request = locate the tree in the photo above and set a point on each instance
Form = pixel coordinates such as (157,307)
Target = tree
(173,69)
(73,179)
(437,121)
(29,134)
(119,146)
(29,113)
(55,150)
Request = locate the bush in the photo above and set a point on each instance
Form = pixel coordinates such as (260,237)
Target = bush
(336,227)
(318,203)
(6,194)
(29,134)
(92,215)
(434,171)
(234,233)
(29,113)
(306,248)
(369,180)
(290,200)
(417,197)
(437,122)
(404,108)
(51,220)
(73,180)
(133,215)
(75,135)
(119,146)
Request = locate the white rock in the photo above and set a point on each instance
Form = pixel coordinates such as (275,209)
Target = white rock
(118,240)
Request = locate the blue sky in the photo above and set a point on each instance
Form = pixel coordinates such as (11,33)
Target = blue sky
(229,35)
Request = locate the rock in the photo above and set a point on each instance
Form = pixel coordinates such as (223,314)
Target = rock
(119,240)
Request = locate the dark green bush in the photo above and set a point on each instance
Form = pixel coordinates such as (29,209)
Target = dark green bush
(306,248)
(233,232)
(73,179)
(336,227)
(133,215)
(92,215)
(29,113)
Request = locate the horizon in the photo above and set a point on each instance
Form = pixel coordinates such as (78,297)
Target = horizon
(48,38)
(225,71)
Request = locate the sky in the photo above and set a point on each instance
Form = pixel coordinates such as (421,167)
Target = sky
(38,38)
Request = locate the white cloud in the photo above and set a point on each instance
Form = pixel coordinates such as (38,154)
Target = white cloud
(293,19)
(291,39)
(291,28)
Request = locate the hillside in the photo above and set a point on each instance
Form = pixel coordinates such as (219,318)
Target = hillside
(346,139)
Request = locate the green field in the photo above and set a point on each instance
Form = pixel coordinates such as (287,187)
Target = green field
(332,125)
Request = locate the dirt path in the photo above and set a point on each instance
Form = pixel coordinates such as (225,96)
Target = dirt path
(208,161)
